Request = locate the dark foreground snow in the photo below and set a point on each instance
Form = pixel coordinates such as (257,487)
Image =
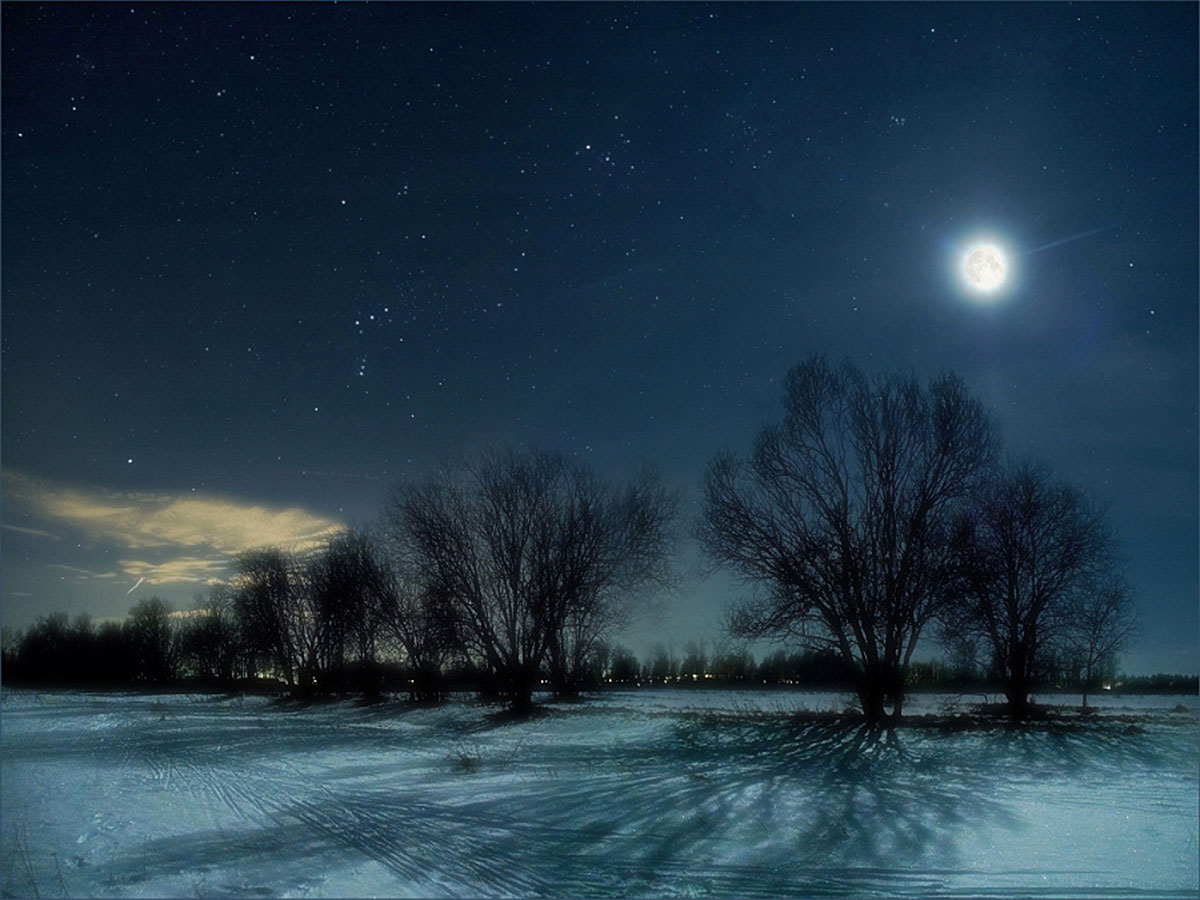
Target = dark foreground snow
(640,793)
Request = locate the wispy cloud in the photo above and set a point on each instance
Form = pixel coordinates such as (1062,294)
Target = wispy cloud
(190,537)
(33,532)
(80,574)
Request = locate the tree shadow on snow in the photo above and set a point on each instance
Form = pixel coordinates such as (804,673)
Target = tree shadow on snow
(278,859)
(718,805)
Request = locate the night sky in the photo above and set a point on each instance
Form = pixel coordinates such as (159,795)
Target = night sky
(260,261)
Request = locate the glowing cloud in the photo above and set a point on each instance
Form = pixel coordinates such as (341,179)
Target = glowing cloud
(200,526)
(180,569)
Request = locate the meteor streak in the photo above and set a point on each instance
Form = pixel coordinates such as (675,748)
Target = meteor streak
(1067,240)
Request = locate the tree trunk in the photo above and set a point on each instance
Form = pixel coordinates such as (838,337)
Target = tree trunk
(521,700)
(1017,687)
(1017,693)
(895,691)
(870,697)
(566,689)
(517,688)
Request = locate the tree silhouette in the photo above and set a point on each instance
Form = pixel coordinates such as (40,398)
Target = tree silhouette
(842,516)
(610,544)
(423,622)
(533,552)
(208,641)
(10,647)
(352,594)
(695,661)
(624,667)
(153,640)
(45,648)
(1032,554)
(268,609)
(1102,622)
(663,666)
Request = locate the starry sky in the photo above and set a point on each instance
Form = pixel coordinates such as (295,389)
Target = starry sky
(262,260)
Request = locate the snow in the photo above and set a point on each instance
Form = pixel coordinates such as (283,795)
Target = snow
(639,792)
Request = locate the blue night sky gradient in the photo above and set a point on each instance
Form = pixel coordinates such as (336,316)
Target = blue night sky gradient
(262,260)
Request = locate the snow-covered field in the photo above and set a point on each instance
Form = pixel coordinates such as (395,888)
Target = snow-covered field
(640,792)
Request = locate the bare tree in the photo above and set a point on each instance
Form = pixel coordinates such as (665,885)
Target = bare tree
(278,631)
(695,661)
(610,545)
(471,538)
(663,666)
(842,515)
(423,622)
(532,552)
(10,645)
(1101,623)
(351,593)
(1027,551)
(44,647)
(208,640)
(153,640)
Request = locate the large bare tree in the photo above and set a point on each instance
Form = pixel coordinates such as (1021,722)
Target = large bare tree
(534,554)
(841,516)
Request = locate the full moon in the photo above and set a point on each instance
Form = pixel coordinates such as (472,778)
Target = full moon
(985,268)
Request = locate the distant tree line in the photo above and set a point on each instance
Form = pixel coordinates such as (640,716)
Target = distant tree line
(56,650)
(154,647)
(878,512)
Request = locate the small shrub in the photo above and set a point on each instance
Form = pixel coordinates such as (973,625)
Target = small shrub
(465,761)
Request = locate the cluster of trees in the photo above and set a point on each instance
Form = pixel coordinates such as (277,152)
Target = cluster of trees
(877,512)
(528,560)
(511,569)
(517,564)
(144,648)
(317,622)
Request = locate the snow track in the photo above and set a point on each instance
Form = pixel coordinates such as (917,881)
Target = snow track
(629,794)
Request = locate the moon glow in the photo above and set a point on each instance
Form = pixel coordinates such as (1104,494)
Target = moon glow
(984,268)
